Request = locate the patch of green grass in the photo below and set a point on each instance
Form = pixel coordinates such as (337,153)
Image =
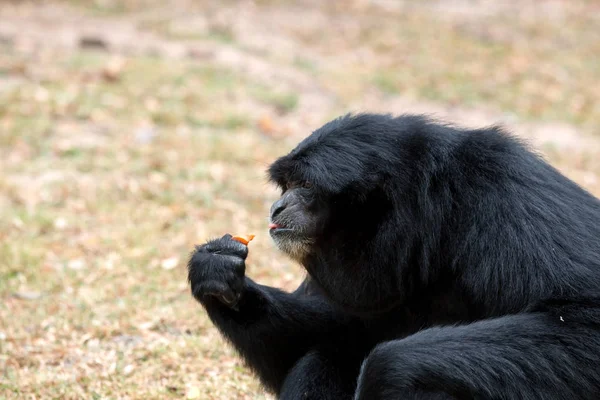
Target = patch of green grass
(305,64)
(19,263)
(284,102)
(146,88)
(386,82)
(533,69)
(172,31)
(222,35)
(107,8)
(22,126)
(88,59)
(234,121)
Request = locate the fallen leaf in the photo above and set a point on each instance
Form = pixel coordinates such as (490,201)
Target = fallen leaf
(113,69)
(193,393)
(27,295)
(128,369)
(266,125)
(169,263)
(60,223)
(76,265)
(41,95)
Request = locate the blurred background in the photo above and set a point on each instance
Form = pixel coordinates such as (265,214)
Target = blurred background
(132,130)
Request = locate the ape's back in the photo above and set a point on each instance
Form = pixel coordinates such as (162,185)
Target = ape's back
(525,232)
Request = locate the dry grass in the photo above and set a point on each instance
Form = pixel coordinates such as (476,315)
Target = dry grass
(115,162)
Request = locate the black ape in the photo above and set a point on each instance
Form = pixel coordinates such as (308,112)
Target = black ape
(443,263)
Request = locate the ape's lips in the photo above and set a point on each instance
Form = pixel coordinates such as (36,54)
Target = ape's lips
(277,228)
(273,227)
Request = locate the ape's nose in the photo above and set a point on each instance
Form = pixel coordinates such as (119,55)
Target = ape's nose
(277,208)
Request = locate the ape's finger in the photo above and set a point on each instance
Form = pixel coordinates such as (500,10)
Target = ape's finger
(219,290)
(234,248)
(236,292)
(228,297)
(237,284)
(224,245)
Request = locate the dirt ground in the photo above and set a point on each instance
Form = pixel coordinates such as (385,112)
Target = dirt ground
(132,130)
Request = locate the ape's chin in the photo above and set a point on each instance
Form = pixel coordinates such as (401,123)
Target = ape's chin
(296,246)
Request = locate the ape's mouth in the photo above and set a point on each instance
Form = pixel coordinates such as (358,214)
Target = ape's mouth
(277,228)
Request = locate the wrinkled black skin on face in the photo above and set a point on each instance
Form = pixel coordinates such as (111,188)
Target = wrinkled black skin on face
(300,212)
(444,263)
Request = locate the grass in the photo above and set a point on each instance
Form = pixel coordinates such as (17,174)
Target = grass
(107,187)
(115,165)
(284,102)
(537,69)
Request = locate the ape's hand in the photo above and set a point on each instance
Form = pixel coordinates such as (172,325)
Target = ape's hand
(217,269)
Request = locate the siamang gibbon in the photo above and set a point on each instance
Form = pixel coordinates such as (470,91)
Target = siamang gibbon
(442,263)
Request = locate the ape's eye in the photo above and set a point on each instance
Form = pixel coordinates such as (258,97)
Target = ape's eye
(304,184)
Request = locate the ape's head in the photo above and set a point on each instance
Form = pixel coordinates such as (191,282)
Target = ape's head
(338,214)
(325,181)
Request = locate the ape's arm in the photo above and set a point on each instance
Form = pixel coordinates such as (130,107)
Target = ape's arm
(272,329)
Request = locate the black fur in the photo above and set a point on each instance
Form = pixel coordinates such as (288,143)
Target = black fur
(449,264)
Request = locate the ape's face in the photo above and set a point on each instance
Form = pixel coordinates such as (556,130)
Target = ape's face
(327,184)
(294,218)
(338,216)
(324,192)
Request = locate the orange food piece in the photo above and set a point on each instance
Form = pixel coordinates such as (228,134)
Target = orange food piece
(244,239)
